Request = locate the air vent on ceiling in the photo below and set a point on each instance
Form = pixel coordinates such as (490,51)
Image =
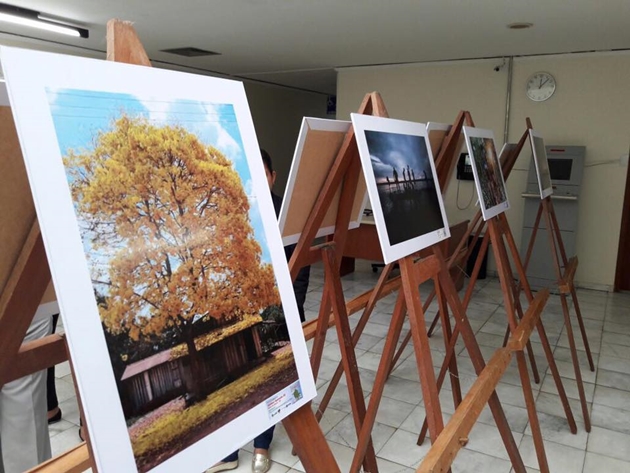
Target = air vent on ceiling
(191,52)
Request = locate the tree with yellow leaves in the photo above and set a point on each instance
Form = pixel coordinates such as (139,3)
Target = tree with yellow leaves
(168,226)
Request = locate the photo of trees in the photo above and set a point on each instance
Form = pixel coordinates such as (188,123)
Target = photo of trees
(179,262)
(488,169)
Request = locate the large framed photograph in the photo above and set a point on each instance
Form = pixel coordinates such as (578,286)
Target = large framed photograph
(165,255)
(317,147)
(402,184)
(487,172)
(542,165)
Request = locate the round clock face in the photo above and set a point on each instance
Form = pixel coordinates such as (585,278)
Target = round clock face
(541,86)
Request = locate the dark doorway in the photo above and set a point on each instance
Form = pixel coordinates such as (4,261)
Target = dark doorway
(622,276)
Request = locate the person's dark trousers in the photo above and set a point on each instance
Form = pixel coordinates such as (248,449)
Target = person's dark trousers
(262,441)
(51,390)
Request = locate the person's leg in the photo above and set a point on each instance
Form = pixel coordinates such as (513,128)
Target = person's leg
(263,441)
(54,413)
(23,425)
(261,463)
(231,457)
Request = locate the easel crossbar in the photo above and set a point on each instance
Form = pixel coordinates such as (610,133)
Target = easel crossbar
(35,356)
(454,436)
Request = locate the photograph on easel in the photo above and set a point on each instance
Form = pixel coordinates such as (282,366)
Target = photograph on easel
(166,258)
(402,184)
(541,163)
(487,172)
(317,147)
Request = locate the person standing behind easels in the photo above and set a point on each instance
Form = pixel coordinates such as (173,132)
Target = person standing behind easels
(300,286)
(261,462)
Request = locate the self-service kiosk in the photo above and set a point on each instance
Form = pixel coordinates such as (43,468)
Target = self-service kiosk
(566,166)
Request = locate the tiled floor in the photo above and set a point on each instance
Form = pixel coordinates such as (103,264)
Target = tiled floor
(605,449)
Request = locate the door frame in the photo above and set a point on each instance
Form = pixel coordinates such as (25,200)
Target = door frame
(622,273)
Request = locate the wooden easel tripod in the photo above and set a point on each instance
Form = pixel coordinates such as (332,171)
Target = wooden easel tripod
(476,227)
(414,273)
(344,173)
(444,165)
(566,287)
(26,285)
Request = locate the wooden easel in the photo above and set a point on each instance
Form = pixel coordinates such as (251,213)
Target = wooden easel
(455,435)
(565,286)
(477,225)
(344,174)
(445,164)
(445,447)
(413,273)
(28,281)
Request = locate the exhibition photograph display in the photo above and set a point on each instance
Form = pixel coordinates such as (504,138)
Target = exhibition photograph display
(156,207)
(541,163)
(318,143)
(226,269)
(487,172)
(402,183)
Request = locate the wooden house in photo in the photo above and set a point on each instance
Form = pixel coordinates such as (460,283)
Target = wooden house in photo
(226,352)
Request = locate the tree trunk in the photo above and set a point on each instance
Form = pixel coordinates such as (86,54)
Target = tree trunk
(197,390)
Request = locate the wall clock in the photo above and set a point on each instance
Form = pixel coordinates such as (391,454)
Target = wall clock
(540,86)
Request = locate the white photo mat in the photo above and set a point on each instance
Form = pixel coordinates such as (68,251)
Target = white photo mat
(487,211)
(539,154)
(65,251)
(308,173)
(393,252)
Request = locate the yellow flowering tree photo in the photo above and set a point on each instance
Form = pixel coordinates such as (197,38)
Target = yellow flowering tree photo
(168,224)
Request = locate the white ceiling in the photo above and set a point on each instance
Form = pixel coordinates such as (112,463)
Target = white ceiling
(299,43)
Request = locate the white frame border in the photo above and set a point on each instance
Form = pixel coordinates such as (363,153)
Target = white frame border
(544,193)
(487,213)
(391,253)
(64,247)
(308,124)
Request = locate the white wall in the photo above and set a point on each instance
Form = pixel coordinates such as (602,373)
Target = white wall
(591,107)
(277,113)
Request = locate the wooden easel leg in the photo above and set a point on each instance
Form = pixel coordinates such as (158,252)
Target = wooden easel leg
(450,351)
(384,366)
(434,322)
(348,357)
(528,347)
(539,326)
(365,317)
(532,239)
(543,466)
(86,430)
(576,362)
(517,290)
(309,442)
(407,338)
(578,312)
(421,348)
(447,333)
(21,295)
(322,327)
(567,318)
(505,277)
(463,325)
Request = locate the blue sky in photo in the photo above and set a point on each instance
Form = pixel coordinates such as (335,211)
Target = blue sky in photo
(79,115)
